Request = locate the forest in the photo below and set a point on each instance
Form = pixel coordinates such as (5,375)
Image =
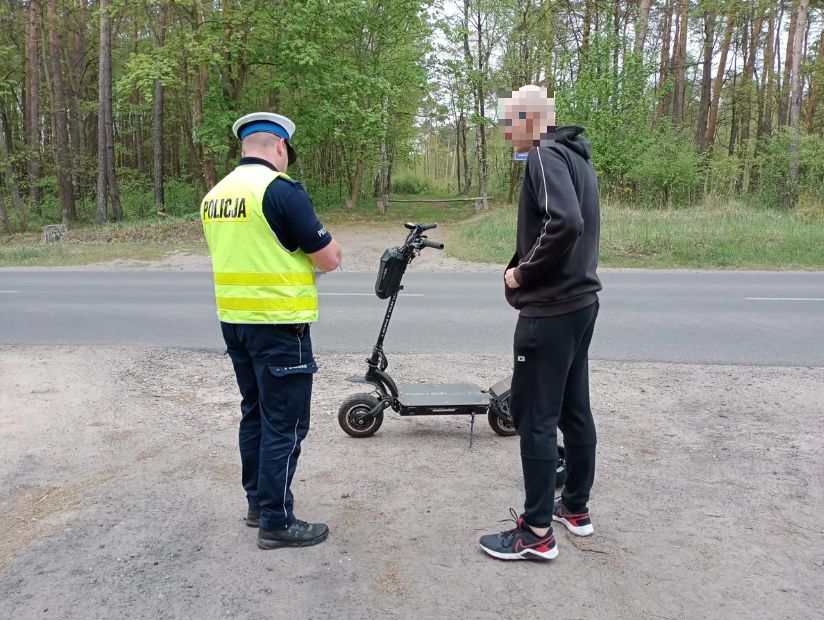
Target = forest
(113,109)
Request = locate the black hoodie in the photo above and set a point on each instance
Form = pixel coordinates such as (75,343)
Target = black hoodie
(559,225)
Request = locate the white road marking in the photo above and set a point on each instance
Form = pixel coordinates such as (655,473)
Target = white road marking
(9,291)
(784,298)
(368,294)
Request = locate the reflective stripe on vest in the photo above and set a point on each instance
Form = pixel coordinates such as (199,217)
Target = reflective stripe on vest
(257,280)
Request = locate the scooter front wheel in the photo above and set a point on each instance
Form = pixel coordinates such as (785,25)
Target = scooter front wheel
(352,408)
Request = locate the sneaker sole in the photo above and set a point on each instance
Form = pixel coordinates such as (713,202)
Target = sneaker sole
(280,544)
(523,555)
(583,530)
(252,523)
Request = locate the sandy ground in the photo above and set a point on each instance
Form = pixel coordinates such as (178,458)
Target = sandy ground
(120,497)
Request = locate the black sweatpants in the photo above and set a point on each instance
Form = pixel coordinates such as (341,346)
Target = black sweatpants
(550,390)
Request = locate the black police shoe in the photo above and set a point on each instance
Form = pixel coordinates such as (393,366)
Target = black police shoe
(299,534)
(253,517)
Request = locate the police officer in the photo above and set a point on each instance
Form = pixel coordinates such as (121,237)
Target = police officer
(265,241)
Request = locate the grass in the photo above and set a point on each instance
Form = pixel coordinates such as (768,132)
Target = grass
(366,211)
(708,236)
(137,240)
(722,235)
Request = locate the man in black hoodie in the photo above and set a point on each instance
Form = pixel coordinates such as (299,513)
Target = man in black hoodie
(552,281)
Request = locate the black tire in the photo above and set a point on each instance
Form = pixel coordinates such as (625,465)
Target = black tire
(359,403)
(504,429)
(561,470)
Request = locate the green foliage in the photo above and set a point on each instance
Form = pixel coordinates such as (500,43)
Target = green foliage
(613,105)
(666,167)
(773,170)
(409,183)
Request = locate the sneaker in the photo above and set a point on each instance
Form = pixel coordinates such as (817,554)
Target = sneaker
(578,523)
(253,517)
(520,543)
(299,534)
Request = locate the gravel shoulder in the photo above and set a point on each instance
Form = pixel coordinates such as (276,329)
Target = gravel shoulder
(120,496)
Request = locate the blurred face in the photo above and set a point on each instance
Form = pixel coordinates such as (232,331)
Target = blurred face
(526,115)
(523,129)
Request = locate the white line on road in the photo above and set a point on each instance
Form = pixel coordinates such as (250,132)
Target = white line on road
(9,291)
(784,298)
(368,294)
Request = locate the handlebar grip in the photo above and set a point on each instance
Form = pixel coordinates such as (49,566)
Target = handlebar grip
(424,227)
(432,244)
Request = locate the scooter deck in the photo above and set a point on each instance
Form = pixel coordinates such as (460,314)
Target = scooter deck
(442,399)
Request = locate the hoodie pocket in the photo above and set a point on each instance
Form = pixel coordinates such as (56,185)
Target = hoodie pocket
(511,294)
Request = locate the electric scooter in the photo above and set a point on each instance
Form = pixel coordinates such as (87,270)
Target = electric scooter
(361,415)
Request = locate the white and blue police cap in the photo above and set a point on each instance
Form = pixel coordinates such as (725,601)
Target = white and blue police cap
(270,123)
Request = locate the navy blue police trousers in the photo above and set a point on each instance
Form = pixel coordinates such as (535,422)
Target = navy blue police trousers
(274,367)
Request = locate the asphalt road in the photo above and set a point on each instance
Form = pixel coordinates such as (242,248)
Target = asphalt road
(763,318)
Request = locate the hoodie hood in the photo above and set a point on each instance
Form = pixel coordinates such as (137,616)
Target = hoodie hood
(572,137)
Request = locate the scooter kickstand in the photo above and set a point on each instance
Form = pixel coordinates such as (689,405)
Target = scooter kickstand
(471,428)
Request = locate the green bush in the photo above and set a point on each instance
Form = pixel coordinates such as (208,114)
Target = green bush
(408,183)
(667,167)
(773,169)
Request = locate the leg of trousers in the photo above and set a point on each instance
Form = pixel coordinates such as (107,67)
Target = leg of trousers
(275,410)
(548,385)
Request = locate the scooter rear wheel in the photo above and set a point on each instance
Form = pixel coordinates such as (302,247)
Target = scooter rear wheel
(351,408)
(504,428)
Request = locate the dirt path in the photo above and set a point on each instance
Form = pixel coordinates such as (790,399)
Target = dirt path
(120,497)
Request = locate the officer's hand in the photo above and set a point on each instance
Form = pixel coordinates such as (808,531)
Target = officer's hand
(509,278)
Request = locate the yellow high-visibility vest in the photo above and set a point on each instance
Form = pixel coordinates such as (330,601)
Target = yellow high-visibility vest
(257,280)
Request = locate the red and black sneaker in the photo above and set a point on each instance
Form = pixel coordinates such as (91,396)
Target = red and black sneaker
(579,523)
(520,543)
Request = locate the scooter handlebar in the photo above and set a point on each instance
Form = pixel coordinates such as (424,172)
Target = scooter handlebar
(426,243)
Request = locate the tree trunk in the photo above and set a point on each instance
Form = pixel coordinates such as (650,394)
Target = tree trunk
(663,67)
(33,104)
(76,67)
(356,183)
(786,88)
(102,213)
(712,117)
(4,215)
(61,121)
(458,170)
(680,65)
(749,93)
(106,175)
(11,182)
(468,64)
(586,28)
(733,118)
(768,77)
(815,84)
(641,33)
(796,87)
(706,77)
(480,135)
(157,124)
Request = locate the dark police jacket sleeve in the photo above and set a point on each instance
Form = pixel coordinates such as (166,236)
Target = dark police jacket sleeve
(548,197)
(291,216)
